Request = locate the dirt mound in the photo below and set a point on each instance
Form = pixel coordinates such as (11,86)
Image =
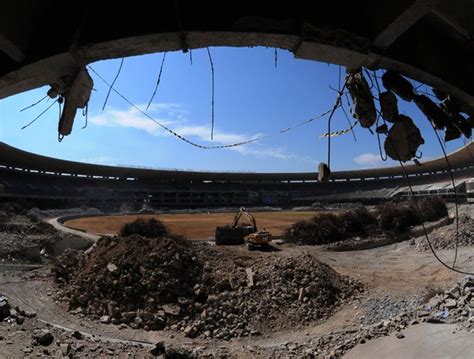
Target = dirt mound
(445,237)
(168,282)
(151,228)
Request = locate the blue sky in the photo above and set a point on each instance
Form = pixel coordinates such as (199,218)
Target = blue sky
(252,97)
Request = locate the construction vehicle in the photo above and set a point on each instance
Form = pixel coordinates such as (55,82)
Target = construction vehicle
(236,234)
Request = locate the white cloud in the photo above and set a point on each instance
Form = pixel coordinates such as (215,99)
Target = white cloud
(174,117)
(166,114)
(98,160)
(368,159)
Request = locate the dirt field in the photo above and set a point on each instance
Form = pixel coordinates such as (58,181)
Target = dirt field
(193,226)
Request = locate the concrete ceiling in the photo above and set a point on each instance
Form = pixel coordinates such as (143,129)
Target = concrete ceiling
(430,41)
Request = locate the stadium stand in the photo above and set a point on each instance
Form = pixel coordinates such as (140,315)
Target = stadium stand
(50,182)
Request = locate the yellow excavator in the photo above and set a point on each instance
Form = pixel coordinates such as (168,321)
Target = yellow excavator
(235,234)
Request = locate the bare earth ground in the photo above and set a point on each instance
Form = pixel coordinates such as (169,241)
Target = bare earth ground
(192,226)
(397,272)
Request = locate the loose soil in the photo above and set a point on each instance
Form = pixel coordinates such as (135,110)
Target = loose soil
(192,226)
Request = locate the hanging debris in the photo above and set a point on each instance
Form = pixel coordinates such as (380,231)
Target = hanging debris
(393,81)
(403,139)
(438,118)
(441,95)
(470,121)
(323,173)
(462,124)
(382,129)
(389,106)
(76,94)
(451,133)
(363,107)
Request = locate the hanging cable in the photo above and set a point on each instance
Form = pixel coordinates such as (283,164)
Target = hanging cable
(191,57)
(259,138)
(34,104)
(339,133)
(348,121)
(37,117)
(334,108)
(455,192)
(276,58)
(157,81)
(113,83)
(212,103)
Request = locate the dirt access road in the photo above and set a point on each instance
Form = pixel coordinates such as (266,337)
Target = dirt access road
(193,226)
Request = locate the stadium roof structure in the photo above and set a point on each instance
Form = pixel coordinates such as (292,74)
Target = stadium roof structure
(12,157)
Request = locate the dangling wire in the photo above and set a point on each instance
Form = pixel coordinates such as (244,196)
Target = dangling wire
(85,113)
(334,108)
(157,81)
(276,58)
(348,121)
(113,82)
(212,109)
(34,104)
(420,217)
(379,115)
(37,117)
(378,140)
(455,193)
(339,133)
(184,139)
(191,56)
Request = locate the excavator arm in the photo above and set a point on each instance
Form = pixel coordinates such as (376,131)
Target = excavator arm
(250,218)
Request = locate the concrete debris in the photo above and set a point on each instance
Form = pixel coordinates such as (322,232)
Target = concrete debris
(389,106)
(192,288)
(111,267)
(324,172)
(396,83)
(43,337)
(250,282)
(435,114)
(403,139)
(363,102)
(77,95)
(445,237)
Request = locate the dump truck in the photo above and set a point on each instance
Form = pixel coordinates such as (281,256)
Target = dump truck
(236,234)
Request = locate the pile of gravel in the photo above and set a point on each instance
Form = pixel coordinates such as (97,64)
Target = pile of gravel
(169,282)
(445,237)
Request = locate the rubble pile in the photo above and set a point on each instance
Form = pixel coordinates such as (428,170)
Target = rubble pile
(451,306)
(23,237)
(455,305)
(445,237)
(168,282)
(22,334)
(131,280)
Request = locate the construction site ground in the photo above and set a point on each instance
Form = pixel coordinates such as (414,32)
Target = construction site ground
(397,278)
(192,226)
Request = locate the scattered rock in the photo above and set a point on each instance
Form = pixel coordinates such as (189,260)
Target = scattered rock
(43,337)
